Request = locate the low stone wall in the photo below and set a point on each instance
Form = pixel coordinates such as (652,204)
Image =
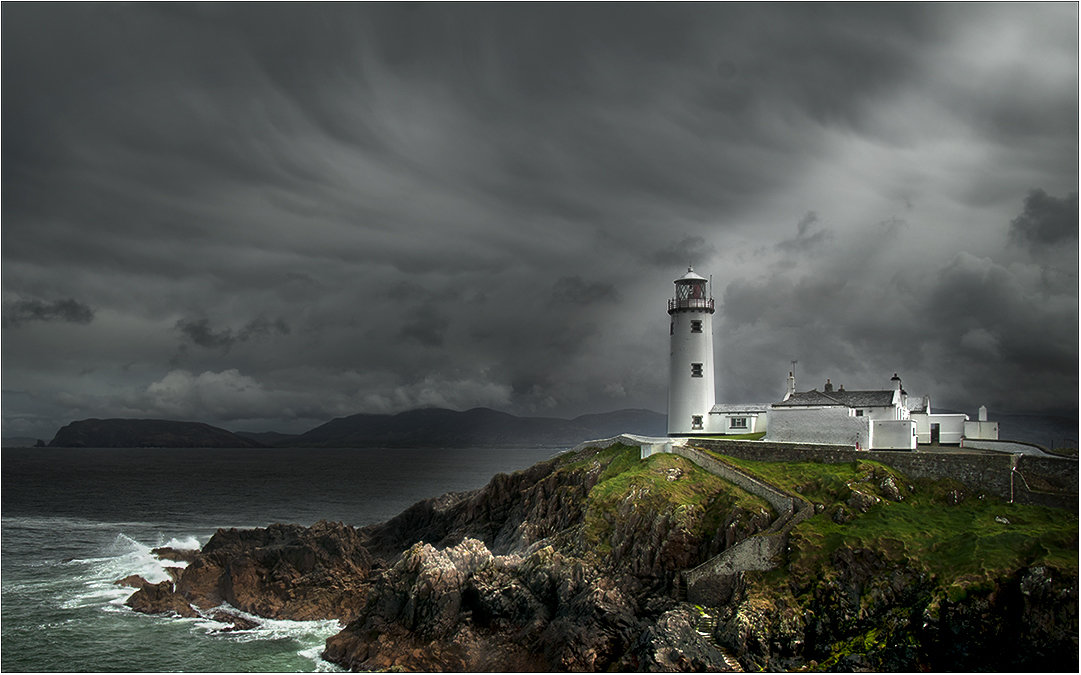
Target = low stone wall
(711,583)
(999,445)
(782,503)
(1051,481)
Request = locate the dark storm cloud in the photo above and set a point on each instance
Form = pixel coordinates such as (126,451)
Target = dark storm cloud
(199,332)
(858,315)
(68,309)
(576,291)
(485,205)
(1046,220)
(428,330)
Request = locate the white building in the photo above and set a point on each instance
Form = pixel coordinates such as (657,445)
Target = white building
(876,418)
(690,368)
(949,428)
(880,419)
(692,410)
(738,418)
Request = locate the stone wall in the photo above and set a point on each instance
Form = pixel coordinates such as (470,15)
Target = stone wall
(1051,481)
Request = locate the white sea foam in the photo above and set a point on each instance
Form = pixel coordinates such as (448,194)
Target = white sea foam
(185,544)
(315,654)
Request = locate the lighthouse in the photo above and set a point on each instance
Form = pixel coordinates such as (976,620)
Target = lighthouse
(690,375)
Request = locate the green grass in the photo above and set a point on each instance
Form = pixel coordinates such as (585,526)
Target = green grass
(697,500)
(951,541)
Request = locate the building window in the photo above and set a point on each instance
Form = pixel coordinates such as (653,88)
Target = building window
(737,423)
(696,370)
(696,422)
(859,413)
(696,326)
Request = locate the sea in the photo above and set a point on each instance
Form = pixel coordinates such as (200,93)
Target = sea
(76,520)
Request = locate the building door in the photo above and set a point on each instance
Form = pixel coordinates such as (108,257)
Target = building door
(934,433)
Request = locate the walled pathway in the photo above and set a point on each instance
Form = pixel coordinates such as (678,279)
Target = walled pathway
(712,582)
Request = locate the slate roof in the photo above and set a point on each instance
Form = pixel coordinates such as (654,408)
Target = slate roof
(740,408)
(852,399)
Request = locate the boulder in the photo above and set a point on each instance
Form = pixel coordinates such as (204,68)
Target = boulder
(134,581)
(160,599)
(236,622)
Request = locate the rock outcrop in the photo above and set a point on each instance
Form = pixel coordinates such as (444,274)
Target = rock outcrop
(282,571)
(573,565)
(160,598)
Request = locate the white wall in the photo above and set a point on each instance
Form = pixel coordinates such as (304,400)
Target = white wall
(981,430)
(893,435)
(720,423)
(687,395)
(951,427)
(830,425)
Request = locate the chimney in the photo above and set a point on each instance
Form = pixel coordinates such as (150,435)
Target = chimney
(841,388)
(791,385)
(829,387)
(983,413)
(896,381)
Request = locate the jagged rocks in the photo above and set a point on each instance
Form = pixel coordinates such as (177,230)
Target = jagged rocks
(282,571)
(184,555)
(133,580)
(236,623)
(672,644)
(160,599)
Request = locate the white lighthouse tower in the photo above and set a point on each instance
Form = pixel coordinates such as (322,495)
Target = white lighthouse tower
(690,376)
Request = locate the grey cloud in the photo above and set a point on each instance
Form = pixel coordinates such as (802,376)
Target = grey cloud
(1046,220)
(573,290)
(687,251)
(429,329)
(199,332)
(804,241)
(67,309)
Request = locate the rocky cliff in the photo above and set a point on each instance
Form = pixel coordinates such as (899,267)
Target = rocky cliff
(573,564)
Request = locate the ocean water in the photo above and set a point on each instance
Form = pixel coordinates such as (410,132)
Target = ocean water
(75,520)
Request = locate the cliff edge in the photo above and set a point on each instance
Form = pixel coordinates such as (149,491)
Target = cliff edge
(574,565)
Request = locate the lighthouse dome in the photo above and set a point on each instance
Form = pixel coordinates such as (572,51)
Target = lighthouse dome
(691,276)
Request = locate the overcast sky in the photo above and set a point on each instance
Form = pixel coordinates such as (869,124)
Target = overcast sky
(267,216)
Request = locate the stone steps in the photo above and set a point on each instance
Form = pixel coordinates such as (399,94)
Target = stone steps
(705,626)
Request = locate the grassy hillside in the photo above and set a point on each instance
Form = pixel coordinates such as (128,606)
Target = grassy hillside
(940,523)
(898,573)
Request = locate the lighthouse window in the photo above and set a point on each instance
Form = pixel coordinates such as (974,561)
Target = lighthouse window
(672,328)
(696,370)
(696,326)
(737,423)
(696,421)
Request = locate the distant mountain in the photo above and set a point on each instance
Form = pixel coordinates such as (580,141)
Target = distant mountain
(438,427)
(271,438)
(128,433)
